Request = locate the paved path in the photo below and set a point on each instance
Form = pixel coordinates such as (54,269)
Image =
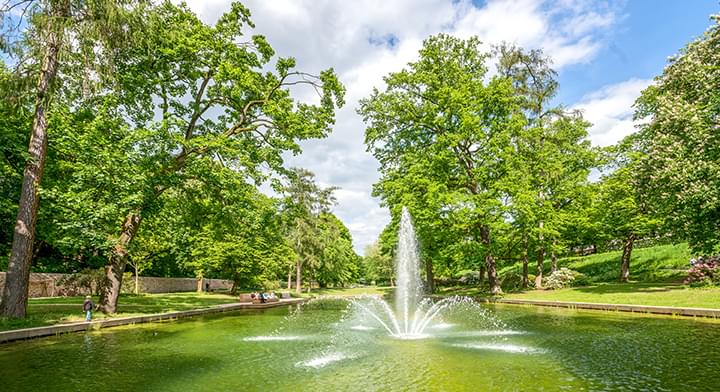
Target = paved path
(668,310)
(29,333)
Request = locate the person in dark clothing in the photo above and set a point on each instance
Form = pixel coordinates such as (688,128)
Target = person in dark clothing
(88,306)
(207,287)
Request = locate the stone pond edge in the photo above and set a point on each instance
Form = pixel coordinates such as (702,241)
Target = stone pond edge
(663,310)
(36,332)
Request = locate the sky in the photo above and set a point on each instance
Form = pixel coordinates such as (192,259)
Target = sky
(606,53)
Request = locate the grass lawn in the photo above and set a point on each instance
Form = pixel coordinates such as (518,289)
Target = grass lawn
(58,310)
(657,294)
(48,311)
(347,292)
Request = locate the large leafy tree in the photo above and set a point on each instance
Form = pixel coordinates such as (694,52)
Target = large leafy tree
(15,115)
(680,138)
(305,204)
(338,262)
(621,214)
(242,241)
(198,92)
(620,210)
(378,267)
(552,159)
(441,120)
(57,34)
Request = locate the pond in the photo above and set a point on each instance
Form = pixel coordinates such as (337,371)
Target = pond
(325,345)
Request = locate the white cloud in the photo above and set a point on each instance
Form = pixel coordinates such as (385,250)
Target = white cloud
(610,110)
(349,36)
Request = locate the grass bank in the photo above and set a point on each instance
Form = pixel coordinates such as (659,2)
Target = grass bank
(656,294)
(662,263)
(348,292)
(58,310)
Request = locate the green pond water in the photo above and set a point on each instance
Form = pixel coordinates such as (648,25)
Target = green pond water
(324,346)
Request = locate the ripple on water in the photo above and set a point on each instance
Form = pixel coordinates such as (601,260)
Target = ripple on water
(323,360)
(272,338)
(472,334)
(361,328)
(509,348)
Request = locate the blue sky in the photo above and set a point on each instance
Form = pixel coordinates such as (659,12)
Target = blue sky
(646,33)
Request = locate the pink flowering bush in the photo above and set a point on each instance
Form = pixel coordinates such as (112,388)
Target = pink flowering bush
(705,272)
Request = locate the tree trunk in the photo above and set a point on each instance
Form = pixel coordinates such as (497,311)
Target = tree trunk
(540,256)
(200,282)
(137,278)
(625,262)
(525,280)
(15,294)
(490,262)
(289,277)
(116,264)
(234,287)
(298,277)
(481,274)
(553,256)
(430,276)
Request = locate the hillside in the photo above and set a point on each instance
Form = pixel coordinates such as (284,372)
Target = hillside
(662,263)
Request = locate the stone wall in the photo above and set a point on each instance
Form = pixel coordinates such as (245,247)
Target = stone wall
(50,285)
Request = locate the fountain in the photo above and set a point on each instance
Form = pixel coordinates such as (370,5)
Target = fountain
(412,314)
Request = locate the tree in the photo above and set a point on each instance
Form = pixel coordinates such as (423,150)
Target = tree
(56,29)
(378,266)
(338,262)
(440,120)
(679,138)
(552,154)
(15,117)
(303,205)
(621,213)
(238,113)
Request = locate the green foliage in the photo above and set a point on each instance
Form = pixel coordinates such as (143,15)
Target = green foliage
(86,281)
(15,120)
(441,132)
(322,244)
(680,171)
(378,266)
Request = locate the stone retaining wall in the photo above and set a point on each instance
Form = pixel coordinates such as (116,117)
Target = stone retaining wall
(50,285)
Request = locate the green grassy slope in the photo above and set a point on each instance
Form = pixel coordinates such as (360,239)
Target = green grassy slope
(662,263)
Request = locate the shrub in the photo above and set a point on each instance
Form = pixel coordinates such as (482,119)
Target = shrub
(270,285)
(705,272)
(87,281)
(128,284)
(513,282)
(559,279)
(580,279)
(468,277)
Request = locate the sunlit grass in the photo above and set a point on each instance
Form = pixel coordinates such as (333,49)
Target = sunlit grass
(662,263)
(49,311)
(348,292)
(657,294)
